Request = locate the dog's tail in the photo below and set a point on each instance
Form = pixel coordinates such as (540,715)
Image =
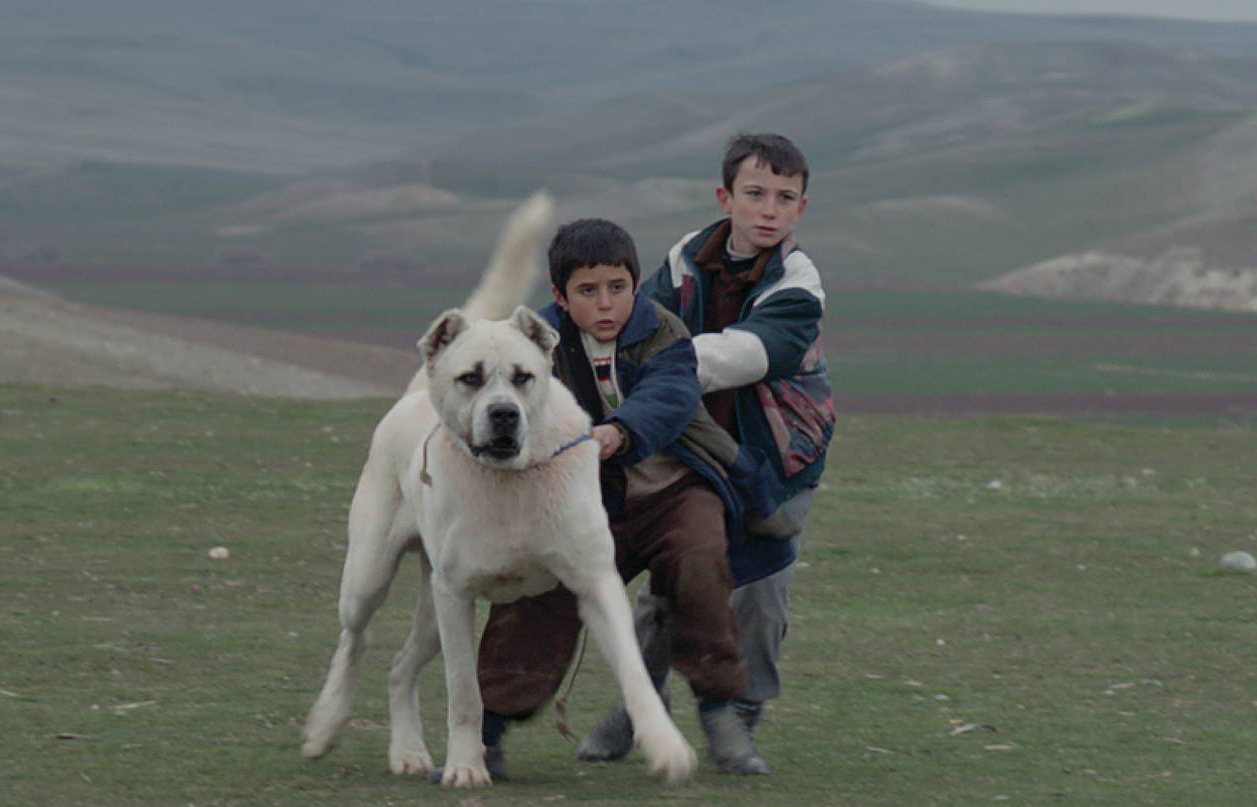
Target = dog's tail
(513,270)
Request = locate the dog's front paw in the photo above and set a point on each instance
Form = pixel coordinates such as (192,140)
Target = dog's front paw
(409,761)
(668,755)
(468,775)
(321,735)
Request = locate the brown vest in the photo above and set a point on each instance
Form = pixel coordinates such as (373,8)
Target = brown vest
(726,294)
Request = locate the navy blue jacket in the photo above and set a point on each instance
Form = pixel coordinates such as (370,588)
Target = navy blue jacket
(662,410)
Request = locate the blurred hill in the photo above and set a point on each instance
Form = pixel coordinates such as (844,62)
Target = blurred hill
(50,341)
(947,148)
(1202,264)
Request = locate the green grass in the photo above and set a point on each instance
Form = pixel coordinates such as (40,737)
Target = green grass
(1090,376)
(936,310)
(1075,614)
(922,345)
(1047,377)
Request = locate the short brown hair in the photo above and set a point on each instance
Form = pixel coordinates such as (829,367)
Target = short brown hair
(781,155)
(589,242)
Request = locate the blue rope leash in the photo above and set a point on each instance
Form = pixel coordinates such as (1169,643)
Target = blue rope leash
(572,444)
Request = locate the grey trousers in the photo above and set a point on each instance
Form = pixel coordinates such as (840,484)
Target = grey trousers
(761,608)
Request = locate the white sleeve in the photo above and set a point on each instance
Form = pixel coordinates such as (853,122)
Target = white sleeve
(731,358)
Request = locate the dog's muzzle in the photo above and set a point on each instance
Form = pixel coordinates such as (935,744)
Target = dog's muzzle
(503,442)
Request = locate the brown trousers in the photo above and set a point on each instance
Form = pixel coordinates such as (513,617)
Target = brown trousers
(679,535)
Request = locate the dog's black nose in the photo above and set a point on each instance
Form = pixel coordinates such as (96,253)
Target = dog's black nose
(504,418)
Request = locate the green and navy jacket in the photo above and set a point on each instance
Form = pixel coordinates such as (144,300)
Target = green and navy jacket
(661,410)
(772,354)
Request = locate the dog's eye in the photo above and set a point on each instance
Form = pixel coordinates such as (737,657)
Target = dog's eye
(521,378)
(471,379)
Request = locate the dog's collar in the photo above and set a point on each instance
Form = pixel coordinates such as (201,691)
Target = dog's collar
(426,478)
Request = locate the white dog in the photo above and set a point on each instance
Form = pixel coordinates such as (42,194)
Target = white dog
(485,471)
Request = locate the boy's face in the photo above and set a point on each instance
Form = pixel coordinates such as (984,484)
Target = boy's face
(763,207)
(598,298)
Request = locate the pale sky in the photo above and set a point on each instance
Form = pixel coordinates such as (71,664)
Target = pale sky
(1187,9)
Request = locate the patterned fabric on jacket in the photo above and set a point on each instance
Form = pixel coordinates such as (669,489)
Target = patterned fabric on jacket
(772,355)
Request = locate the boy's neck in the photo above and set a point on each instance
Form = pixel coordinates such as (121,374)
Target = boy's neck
(590,340)
(735,254)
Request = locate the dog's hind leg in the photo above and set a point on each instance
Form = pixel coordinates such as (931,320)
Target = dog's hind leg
(376,543)
(407,753)
(605,611)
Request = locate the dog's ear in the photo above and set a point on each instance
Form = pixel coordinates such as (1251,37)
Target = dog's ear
(441,333)
(538,331)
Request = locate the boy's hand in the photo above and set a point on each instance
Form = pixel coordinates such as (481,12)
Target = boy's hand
(609,439)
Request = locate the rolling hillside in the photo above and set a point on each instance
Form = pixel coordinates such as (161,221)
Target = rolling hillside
(385,143)
(291,85)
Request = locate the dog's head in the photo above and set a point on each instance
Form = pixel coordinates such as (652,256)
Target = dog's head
(489,381)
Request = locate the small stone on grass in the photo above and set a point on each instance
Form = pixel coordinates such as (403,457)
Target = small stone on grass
(1240,561)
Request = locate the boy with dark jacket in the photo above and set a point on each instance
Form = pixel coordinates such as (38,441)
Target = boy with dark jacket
(674,485)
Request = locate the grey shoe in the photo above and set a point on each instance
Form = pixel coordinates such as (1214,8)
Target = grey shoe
(612,737)
(748,713)
(494,760)
(730,744)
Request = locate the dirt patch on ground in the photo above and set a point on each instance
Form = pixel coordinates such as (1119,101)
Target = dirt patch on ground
(47,340)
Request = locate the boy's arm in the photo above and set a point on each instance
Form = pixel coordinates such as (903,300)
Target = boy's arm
(773,339)
(769,344)
(663,399)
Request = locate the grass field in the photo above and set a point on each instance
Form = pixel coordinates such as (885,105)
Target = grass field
(1000,610)
(1017,354)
